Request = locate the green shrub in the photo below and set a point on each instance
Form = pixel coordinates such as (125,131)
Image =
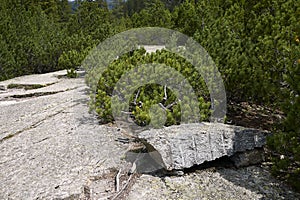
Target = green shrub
(143,99)
(285,144)
(71,73)
(70,59)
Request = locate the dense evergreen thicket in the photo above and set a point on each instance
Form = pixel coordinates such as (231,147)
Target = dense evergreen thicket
(151,94)
(43,36)
(255,44)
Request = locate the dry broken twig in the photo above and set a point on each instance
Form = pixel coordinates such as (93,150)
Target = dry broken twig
(118,180)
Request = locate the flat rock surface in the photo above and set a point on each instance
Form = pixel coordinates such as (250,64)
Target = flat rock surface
(213,184)
(52,148)
(36,78)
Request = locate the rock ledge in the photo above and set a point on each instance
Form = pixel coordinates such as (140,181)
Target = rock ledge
(183,146)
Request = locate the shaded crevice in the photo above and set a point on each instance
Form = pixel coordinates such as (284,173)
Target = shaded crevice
(146,158)
(46,138)
(37,94)
(222,162)
(28,86)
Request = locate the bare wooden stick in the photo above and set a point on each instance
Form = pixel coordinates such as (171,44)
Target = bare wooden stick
(162,106)
(165,90)
(128,113)
(124,187)
(136,96)
(118,180)
(168,106)
(172,104)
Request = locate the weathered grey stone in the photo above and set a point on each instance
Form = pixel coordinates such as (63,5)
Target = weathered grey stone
(249,183)
(51,147)
(192,144)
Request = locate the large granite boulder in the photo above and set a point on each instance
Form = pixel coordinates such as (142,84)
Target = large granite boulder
(183,146)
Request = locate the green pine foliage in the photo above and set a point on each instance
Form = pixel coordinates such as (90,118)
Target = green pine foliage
(71,73)
(43,36)
(285,144)
(251,44)
(143,99)
(187,18)
(30,41)
(91,20)
(154,14)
